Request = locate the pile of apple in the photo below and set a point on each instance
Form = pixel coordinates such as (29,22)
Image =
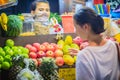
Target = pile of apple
(38,51)
(9,51)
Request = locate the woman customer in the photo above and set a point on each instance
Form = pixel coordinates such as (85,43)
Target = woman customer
(98,61)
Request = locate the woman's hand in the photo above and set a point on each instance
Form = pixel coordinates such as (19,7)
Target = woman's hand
(73,52)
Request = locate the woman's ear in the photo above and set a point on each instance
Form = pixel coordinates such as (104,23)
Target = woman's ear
(86,27)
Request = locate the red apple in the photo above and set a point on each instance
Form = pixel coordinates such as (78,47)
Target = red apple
(77,40)
(33,55)
(42,48)
(58,53)
(37,46)
(53,44)
(45,44)
(59,47)
(33,49)
(83,45)
(50,54)
(28,46)
(35,61)
(50,48)
(41,54)
(59,61)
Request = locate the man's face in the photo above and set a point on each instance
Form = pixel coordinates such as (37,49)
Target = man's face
(42,10)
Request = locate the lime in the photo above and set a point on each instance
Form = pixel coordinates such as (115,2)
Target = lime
(5,65)
(7,58)
(9,42)
(2,53)
(1,59)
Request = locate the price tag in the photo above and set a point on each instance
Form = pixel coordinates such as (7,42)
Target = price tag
(67,73)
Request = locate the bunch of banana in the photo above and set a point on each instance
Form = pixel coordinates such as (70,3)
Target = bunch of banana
(3,21)
(59,37)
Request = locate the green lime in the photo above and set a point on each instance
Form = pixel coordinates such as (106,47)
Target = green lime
(9,42)
(5,65)
(8,58)
(2,53)
(1,59)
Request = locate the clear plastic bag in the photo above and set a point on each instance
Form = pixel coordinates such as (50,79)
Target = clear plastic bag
(27,74)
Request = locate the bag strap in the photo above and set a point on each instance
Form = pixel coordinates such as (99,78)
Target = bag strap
(118,51)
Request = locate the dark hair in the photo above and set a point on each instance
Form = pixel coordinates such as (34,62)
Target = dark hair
(33,5)
(87,15)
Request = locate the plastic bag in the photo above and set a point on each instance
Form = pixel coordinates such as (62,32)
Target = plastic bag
(27,74)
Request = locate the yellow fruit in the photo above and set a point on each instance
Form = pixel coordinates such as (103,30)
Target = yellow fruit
(4,26)
(0,19)
(22,17)
(68,40)
(117,37)
(75,58)
(4,18)
(68,60)
(60,42)
(66,49)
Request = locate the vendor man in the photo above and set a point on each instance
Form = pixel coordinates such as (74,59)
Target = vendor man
(40,9)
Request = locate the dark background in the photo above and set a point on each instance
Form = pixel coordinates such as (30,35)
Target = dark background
(24,7)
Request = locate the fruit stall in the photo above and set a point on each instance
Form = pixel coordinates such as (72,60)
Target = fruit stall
(37,55)
(36,48)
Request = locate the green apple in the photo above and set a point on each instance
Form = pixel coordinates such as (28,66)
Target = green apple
(25,51)
(6,48)
(1,49)
(2,53)
(25,55)
(1,59)
(14,48)
(9,52)
(19,51)
(9,42)
(8,58)
(5,65)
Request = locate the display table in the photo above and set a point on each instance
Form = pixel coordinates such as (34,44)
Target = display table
(65,72)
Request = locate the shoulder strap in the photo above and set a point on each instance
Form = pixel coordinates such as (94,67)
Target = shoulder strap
(118,51)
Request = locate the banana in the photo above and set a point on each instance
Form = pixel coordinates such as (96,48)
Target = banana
(4,18)
(21,17)
(4,26)
(0,20)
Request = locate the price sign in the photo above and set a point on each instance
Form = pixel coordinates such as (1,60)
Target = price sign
(67,73)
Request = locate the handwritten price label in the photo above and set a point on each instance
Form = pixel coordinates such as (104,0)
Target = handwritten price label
(67,73)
